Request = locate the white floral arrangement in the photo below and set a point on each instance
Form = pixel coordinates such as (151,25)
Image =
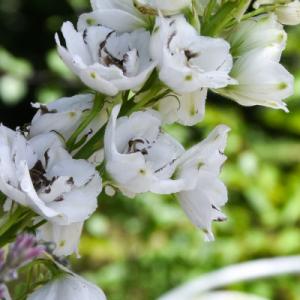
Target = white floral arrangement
(148,63)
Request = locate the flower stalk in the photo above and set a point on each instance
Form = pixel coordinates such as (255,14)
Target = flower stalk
(98,104)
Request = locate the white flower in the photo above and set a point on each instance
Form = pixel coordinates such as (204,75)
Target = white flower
(105,60)
(186,109)
(187,61)
(259,32)
(289,14)
(40,174)
(262,80)
(258,44)
(64,116)
(166,7)
(120,15)
(139,156)
(65,238)
(204,193)
(68,287)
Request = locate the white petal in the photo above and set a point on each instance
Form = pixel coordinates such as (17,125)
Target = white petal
(61,115)
(263,31)
(166,7)
(289,14)
(135,82)
(88,74)
(194,61)
(204,193)
(75,42)
(262,81)
(43,142)
(207,155)
(7,137)
(127,169)
(124,5)
(33,199)
(104,60)
(74,62)
(78,204)
(186,109)
(66,238)
(8,176)
(68,287)
(40,174)
(164,30)
(126,21)
(163,155)
(80,170)
(202,205)
(135,172)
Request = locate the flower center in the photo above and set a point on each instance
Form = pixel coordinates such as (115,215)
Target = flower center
(127,62)
(139,145)
(37,174)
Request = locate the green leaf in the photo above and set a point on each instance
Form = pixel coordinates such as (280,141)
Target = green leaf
(14,223)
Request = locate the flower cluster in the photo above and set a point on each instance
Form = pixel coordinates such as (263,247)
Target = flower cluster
(149,63)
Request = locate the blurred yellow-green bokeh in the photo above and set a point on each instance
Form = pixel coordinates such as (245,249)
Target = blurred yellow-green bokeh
(138,249)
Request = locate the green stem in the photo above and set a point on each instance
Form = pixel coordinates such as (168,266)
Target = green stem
(93,145)
(230,12)
(219,21)
(10,219)
(14,224)
(96,141)
(2,198)
(98,104)
(148,97)
(36,226)
(259,11)
(209,10)
(151,89)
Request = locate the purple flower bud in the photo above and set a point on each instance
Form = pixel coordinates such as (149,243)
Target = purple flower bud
(24,250)
(21,252)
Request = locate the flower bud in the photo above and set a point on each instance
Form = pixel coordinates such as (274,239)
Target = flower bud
(24,250)
(21,252)
(289,14)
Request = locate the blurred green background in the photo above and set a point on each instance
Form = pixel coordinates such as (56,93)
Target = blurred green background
(140,248)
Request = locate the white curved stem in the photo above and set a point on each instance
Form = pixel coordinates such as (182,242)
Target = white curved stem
(225,295)
(237,273)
